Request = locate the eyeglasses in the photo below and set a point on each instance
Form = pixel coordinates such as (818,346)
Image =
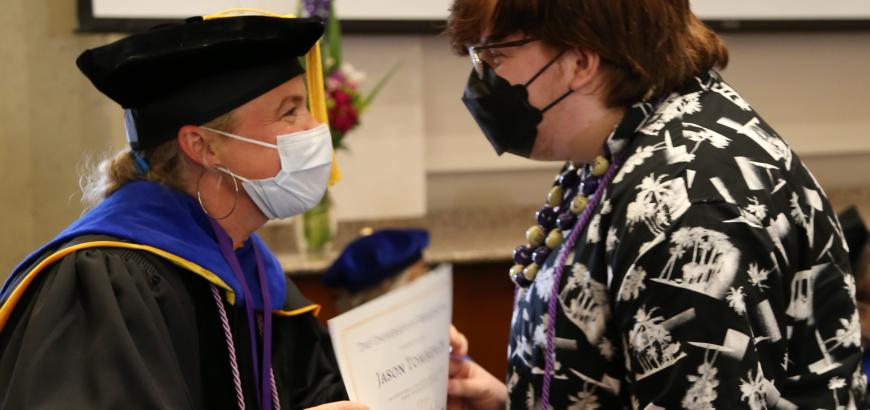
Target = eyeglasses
(483,53)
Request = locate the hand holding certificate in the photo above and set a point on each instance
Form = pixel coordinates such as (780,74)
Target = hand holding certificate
(393,351)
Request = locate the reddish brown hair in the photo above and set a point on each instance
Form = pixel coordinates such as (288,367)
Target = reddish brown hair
(650,44)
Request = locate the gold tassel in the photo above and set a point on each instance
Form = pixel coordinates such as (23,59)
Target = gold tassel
(317,98)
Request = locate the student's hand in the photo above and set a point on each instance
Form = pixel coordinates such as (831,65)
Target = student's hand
(340,405)
(458,348)
(470,386)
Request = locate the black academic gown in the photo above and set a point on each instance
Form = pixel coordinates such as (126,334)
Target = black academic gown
(107,328)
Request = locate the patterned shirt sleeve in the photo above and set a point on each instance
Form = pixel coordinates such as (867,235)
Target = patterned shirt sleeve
(706,309)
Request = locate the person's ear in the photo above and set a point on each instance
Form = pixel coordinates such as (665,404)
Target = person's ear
(197,144)
(585,69)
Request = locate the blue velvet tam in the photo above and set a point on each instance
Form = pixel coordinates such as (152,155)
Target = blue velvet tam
(369,260)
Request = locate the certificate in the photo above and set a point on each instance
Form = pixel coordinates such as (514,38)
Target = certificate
(393,351)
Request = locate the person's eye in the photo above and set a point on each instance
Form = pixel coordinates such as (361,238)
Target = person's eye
(290,113)
(494,57)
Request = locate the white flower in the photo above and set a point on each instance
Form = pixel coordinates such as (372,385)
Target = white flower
(634,161)
(352,74)
(735,300)
(757,276)
(593,232)
(539,336)
(606,207)
(610,242)
(632,284)
(756,208)
(702,392)
(753,390)
(544,283)
(850,285)
(329,61)
(796,212)
(585,400)
(850,332)
(332,83)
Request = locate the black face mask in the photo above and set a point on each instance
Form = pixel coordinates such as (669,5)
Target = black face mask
(503,112)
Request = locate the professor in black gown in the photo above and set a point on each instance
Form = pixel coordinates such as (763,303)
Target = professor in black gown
(161,296)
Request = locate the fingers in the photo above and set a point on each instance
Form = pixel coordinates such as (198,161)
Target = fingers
(458,368)
(469,389)
(479,389)
(472,384)
(458,342)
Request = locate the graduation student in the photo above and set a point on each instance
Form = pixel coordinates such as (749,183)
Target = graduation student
(684,257)
(161,296)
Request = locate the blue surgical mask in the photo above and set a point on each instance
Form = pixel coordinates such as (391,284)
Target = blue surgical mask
(306,163)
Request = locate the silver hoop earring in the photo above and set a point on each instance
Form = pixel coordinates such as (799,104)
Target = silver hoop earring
(235,197)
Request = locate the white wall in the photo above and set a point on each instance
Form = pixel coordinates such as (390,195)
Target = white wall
(438,9)
(812,87)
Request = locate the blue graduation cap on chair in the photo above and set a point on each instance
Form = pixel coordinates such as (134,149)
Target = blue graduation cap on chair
(369,260)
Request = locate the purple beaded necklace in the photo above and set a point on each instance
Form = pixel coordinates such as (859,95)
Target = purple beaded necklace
(567,248)
(566,201)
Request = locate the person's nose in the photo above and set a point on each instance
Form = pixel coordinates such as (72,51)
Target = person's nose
(311,123)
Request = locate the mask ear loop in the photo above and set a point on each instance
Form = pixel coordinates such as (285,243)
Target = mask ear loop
(235,197)
(544,68)
(558,100)
(541,71)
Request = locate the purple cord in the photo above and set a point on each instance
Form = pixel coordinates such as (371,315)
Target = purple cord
(231,347)
(226,246)
(266,368)
(567,248)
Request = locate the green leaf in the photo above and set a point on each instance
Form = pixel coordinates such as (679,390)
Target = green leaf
(333,37)
(317,225)
(338,141)
(377,88)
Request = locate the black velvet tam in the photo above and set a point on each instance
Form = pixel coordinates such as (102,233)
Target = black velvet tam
(193,72)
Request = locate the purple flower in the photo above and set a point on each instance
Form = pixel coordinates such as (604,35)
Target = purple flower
(317,8)
(337,75)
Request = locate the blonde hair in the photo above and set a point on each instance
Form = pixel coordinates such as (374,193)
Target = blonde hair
(101,178)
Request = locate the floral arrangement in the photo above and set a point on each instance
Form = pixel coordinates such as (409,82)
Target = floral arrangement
(344,100)
(345,104)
